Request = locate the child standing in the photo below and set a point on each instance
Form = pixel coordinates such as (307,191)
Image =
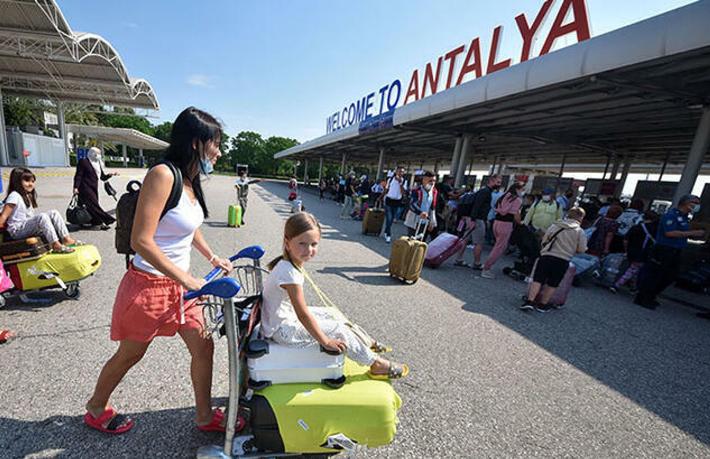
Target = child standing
(285,317)
(19,216)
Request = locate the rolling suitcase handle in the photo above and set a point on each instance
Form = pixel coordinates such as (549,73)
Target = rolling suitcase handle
(423,224)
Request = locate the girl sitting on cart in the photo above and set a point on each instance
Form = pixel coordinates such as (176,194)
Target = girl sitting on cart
(287,320)
(18,214)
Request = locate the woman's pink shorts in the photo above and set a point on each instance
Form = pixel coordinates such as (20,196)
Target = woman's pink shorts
(147,306)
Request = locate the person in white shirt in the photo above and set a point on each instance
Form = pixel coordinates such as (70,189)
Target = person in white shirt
(394,193)
(242,186)
(18,214)
(287,319)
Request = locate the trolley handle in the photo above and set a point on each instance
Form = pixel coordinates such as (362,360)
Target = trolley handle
(254,252)
(225,287)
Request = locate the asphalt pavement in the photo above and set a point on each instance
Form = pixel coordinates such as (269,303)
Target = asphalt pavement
(599,378)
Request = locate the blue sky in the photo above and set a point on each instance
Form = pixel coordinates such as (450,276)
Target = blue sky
(280,67)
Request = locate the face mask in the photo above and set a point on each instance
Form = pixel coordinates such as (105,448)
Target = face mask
(206,166)
(696,208)
(546,198)
(521,193)
(428,186)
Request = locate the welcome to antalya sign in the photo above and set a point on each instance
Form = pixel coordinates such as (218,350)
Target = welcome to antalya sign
(449,70)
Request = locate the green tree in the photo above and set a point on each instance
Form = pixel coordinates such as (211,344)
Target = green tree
(129,120)
(163,130)
(23,111)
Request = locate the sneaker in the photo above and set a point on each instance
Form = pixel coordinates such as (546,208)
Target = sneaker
(477,267)
(487,274)
(527,306)
(543,308)
(556,306)
(613,289)
(388,239)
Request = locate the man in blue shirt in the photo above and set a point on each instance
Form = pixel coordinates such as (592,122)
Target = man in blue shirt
(662,267)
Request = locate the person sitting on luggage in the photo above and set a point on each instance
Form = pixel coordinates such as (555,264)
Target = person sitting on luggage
(507,215)
(286,318)
(639,241)
(18,214)
(422,206)
(561,242)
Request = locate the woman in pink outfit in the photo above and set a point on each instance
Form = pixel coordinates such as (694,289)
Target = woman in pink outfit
(507,214)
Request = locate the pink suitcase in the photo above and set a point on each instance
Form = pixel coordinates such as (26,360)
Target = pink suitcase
(442,248)
(560,296)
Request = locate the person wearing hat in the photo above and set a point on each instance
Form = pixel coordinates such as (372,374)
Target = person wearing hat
(543,213)
(662,267)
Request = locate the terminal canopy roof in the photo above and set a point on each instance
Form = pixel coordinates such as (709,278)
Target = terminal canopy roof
(41,56)
(123,136)
(638,91)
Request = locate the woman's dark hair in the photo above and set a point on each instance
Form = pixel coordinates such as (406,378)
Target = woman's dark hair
(192,125)
(17,175)
(512,192)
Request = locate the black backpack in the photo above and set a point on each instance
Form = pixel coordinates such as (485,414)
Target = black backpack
(126,210)
(465,205)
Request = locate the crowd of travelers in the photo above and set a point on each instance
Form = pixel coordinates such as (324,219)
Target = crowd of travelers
(557,229)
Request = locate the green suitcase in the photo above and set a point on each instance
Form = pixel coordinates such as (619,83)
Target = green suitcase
(234,216)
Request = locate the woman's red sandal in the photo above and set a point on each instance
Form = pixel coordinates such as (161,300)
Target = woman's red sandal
(109,422)
(216,424)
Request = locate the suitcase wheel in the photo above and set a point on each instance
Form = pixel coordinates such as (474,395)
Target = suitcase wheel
(73,291)
(3,301)
(334,383)
(258,385)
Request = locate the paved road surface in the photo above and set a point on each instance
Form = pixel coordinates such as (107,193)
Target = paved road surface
(600,378)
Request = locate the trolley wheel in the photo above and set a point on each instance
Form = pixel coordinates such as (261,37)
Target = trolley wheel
(3,301)
(73,291)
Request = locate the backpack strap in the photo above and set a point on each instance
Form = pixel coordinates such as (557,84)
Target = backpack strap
(176,191)
(551,241)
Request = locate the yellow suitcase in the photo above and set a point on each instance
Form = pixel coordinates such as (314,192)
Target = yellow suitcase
(51,269)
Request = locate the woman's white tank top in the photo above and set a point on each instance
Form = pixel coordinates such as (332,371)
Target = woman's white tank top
(174,235)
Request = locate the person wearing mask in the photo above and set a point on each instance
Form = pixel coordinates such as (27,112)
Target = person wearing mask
(600,244)
(528,201)
(86,186)
(543,213)
(475,221)
(348,196)
(507,215)
(562,241)
(630,217)
(394,193)
(639,240)
(149,300)
(322,186)
(661,268)
(422,205)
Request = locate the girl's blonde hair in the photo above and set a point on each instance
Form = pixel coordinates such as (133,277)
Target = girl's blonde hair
(296,225)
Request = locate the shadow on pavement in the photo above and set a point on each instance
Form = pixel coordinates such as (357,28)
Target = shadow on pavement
(658,359)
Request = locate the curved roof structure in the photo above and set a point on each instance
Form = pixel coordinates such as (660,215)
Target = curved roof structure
(41,55)
(124,136)
(637,92)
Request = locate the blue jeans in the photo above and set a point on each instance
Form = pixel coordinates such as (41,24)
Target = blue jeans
(391,212)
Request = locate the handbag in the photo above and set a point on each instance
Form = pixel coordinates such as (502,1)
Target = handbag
(111,191)
(76,213)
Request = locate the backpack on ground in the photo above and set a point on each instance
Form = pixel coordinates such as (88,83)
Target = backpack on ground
(126,210)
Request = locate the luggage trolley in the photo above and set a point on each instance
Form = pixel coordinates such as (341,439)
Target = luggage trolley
(231,303)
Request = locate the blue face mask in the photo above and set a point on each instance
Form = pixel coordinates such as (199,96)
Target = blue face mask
(206,166)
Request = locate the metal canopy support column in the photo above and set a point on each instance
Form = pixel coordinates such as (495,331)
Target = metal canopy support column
(63,131)
(380,163)
(4,151)
(342,165)
(305,171)
(663,167)
(455,157)
(624,175)
(606,168)
(125,155)
(461,168)
(700,146)
(615,167)
(320,170)
(492,170)
(141,160)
